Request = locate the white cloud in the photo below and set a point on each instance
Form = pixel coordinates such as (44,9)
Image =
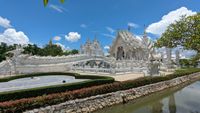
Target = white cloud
(57,38)
(106,47)
(57,8)
(159,27)
(111,30)
(4,22)
(183,53)
(61,45)
(73,36)
(133,25)
(139,37)
(187,53)
(108,35)
(11,36)
(83,26)
(67,48)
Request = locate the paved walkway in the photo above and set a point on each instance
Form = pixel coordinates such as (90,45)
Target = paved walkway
(117,77)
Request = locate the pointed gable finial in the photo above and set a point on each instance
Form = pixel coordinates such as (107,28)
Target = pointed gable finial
(145,32)
(50,42)
(129,28)
(95,37)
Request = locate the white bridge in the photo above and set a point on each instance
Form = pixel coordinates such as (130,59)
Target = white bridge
(34,64)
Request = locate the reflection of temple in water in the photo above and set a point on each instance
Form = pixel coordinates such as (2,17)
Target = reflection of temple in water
(172,104)
(157,106)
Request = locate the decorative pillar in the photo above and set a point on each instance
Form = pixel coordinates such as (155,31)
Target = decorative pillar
(177,58)
(169,54)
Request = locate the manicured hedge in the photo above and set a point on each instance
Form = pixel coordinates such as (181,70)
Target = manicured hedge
(45,100)
(149,80)
(33,92)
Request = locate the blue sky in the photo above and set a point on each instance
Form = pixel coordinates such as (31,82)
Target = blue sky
(87,18)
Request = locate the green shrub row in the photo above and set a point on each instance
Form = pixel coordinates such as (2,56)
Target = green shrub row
(150,80)
(33,92)
(51,99)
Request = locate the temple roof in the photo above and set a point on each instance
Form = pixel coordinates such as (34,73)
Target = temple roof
(130,39)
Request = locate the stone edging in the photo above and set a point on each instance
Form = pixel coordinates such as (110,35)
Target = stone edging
(94,103)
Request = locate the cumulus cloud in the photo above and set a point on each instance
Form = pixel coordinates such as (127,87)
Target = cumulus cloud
(183,53)
(4,22)
(111,30)
(57,38)
(159,27)
(57,8)
(106,47)
(187,53)
(83,26)
(73,36)
(133,25)
(11,36)
(139,37)
(62,46)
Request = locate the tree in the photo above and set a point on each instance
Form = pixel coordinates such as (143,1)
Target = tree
(188,63)
(32,49)
(185,33)
(71,52)
(4,48)
(47,1)
(74,51)
(52,50)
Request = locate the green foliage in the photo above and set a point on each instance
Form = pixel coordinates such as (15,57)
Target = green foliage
(188,62)
(71,52)
(32,49)
(52,50)
(4,48)
(185,32)
(33,92)
(49,50)
(47,1)
(52,99)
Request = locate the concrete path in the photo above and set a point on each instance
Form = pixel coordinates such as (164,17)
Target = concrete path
(117,77)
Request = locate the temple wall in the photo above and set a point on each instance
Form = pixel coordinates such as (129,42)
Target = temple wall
(5,68)
(25,69)
(35,64)
(35,60)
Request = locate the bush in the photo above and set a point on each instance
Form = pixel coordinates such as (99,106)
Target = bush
(33,92)
(45,100)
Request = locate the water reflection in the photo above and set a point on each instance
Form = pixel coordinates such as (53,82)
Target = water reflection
(157,107)
(172,104)
(182,99)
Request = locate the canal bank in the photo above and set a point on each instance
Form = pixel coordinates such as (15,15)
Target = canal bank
(183,98)
(94,103)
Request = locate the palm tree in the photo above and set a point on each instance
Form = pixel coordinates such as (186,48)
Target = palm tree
(47,1)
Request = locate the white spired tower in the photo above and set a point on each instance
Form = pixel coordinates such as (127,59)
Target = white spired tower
(91,48)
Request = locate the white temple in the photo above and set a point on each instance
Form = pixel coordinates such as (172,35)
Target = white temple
(127,54)
(91,48)
(127,47)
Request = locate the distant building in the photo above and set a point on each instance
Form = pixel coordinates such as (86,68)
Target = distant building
(92,48)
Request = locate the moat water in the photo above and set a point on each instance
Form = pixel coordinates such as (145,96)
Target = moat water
(182,99)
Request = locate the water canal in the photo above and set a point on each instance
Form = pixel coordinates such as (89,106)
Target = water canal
(181,99)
